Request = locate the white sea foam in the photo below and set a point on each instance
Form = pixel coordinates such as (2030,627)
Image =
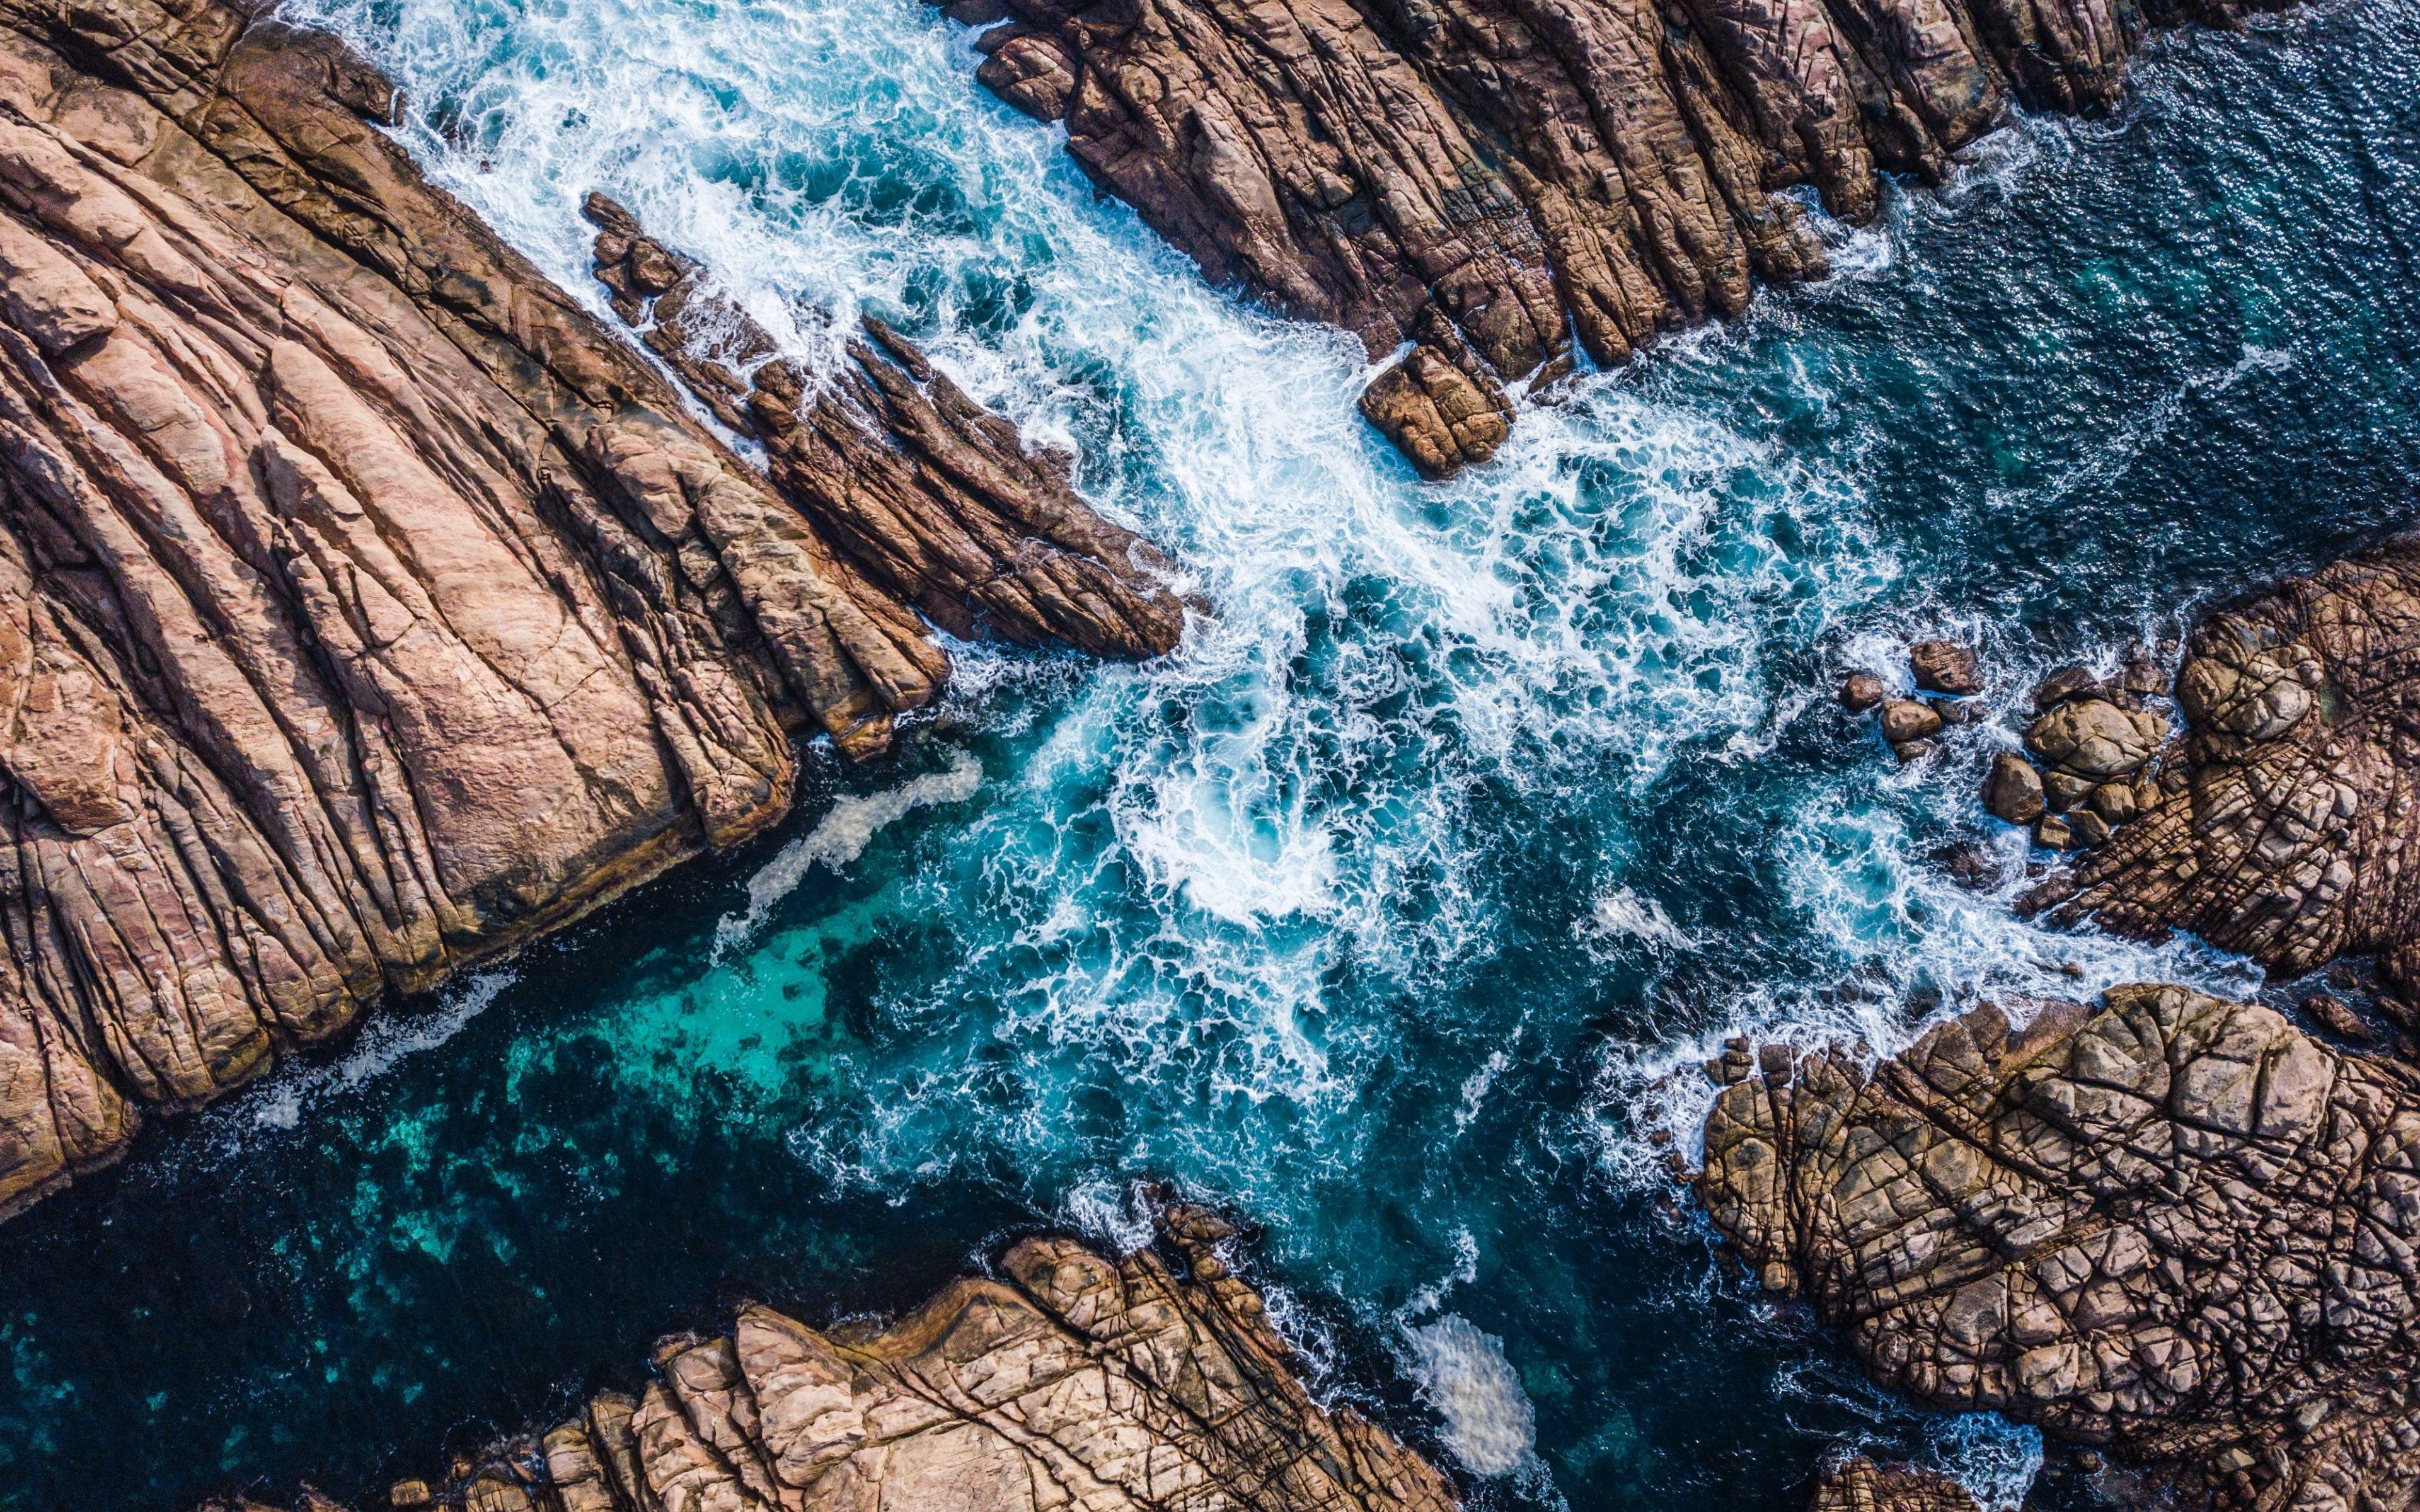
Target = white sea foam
(1462,1372)
(1622,914)
(839,838)
(282,1101)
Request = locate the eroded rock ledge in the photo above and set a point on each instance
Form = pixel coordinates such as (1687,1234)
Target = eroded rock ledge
(365,607)
(2175,1226)
(2288,832)
(1536,171)
(1138,1385)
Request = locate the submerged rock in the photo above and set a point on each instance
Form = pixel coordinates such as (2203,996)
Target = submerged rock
(365,609)
(2284,823)
(1536,174)
(1147,1384)
(2175,1227)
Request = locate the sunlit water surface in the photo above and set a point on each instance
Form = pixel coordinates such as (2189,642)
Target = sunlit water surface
(1376,911)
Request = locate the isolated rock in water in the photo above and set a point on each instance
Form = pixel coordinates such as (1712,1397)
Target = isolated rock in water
(1906,720)
(1537,173)
(1440,405)
(931,496)
(2177,1226)
(2012,790)
(1945,667)
(1860,1485)
(1860,691)
(1074,1380)
(2285,828)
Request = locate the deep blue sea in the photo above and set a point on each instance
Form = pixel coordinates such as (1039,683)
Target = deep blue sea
(1380,910)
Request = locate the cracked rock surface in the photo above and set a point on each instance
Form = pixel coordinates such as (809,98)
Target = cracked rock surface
(1539,172)
(2286,826)
(1153,1383)
(2176,1226)
(365,609)
(1860,1484)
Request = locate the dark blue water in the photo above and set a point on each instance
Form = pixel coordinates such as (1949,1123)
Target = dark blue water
(1378,911)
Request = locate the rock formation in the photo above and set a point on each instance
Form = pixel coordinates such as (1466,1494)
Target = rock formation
(2282,825)
(929,495)
(2175,1226)
(364,607)
(1071,1381)
(1534,172)
(1860,1485)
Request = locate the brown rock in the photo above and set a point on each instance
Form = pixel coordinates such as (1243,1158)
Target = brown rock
(2094,740)
(2063,685)
(2334,1015)
(2285,831)
(928,495)
(1071,1381)
(1860,691)
(366,609)
(1911,751)
(2113,801)
(1906,720)
(2012,790)
(1945,667)
(1440,406)
(1540,174)
(2054,833)
(2170,1228)
(408,1494)
(1860,1485)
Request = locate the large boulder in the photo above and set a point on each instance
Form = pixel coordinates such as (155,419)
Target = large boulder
(2285,831)
(1860,1484)
(2175,1226)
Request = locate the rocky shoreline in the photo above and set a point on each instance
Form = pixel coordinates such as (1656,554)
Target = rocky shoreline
(1149,1384)
(369,609)
(1498,182)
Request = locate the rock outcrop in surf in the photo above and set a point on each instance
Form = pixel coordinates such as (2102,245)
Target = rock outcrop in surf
(2288,830)
(1860,1484)
(1147,1384)
(2175,1227)
(366,608)
(1535,173)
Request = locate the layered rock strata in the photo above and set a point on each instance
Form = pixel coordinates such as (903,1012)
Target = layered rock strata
(1153,1383)
(1538,172)
(364,607)
(2282,827)
(2176,1226)
(928,494)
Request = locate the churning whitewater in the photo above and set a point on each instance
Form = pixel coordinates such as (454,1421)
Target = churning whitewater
(1382,911)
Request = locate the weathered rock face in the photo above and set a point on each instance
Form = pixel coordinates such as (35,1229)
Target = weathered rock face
(2282,827)
(929,495)
(364,609)
(1075,1381)
(1539,171)
(1860,1484)
(2176,1226)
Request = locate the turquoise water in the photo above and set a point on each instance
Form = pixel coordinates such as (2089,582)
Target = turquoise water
(1378,911)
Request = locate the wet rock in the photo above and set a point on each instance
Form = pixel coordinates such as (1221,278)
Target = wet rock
(1860,1485)
(1971,867)
(2054,833)
(2285,831)
(1959,711)
(1907,719)
(405,1494)
(365,609)
(1543,176)
(2334,1015)
(2064,684)
(2012,790)
(1945,667)
(1139,1384)
(1860,691)
(2171,1227)
(1440,405)
(2094,740)
(1911,751)
(2089,827)
(2141,675)
(2063,791)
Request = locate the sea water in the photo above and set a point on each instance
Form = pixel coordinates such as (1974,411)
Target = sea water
(1391,911)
